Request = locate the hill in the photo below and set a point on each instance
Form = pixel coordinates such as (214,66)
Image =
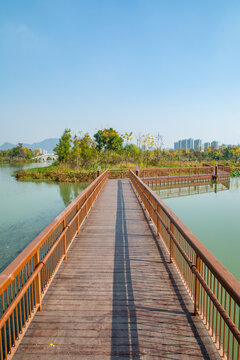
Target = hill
(47,144)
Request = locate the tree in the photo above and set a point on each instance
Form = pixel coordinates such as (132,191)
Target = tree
(63,148)
(131,151)
(108,139)
(76,152)
(83,149)
(87,149)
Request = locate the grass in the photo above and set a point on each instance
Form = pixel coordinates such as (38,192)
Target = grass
(66,173)
(56,173)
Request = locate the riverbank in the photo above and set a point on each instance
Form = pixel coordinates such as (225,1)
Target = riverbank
(56,173)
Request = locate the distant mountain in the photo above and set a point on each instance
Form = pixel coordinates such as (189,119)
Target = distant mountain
(6,146)
(47,144)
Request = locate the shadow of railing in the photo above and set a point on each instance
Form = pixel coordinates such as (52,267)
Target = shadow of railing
(124,321)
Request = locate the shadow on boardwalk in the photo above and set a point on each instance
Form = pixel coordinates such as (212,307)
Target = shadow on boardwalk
(124,320)
(163,339)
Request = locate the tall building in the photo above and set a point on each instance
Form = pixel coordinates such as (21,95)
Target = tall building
(207,145)
(198,145)
(176,145)
(190,144)
(184,144)
(215,145)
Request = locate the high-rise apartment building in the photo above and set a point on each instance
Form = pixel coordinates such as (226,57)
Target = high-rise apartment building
(215,145)
(207,145)
(176,145)
(184,144)
(198,145)
(190,144)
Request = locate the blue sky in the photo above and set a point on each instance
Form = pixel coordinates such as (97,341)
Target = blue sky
(169,66)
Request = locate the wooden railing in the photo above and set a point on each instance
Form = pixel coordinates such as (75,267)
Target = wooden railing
(176,171)
(214,291)
(224,169)
(25,281)
(118,173)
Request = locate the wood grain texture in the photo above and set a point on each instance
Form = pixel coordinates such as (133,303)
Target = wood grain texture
(116,296)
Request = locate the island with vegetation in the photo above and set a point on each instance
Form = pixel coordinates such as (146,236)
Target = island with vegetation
(79,156)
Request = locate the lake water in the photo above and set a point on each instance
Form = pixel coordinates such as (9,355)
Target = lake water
(26,208)
(212,213)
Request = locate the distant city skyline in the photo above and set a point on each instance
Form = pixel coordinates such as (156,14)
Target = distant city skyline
(141,66)
(199,144)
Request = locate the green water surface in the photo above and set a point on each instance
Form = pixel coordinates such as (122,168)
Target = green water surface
(26,208)
(212,213)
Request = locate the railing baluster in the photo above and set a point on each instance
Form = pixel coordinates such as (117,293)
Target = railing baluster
(171,241)
(13,321)
(17,322)
(8,322)
(4,327)
(5,340)
(1,345)
(197,287)
(64,239)
(37,282)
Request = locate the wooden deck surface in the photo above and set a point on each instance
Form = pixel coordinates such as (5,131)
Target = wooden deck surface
(116,296)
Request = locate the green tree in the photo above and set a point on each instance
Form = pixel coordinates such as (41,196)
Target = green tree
(108,139)
(76,151)
(131,151)
(63,148)
(87,149)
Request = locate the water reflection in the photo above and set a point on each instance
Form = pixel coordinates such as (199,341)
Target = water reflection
(69,192)
(172,191)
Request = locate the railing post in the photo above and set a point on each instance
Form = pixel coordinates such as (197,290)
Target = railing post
(171,241)
(158,221)
(77,208)
(137,171)
(38,291)
(197,286)
(98,171)
(64,241)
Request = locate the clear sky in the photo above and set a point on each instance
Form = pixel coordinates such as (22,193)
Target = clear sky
(167,66)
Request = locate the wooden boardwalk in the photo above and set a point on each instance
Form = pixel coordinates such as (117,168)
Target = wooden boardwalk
(116,296)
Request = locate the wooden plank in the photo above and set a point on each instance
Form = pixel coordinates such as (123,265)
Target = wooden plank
(116,296)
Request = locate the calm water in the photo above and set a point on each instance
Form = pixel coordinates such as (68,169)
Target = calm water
(26,208)
(212,213)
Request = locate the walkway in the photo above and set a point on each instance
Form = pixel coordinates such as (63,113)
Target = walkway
(116,296)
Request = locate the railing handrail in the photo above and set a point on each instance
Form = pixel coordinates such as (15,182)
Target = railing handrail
(177,167)
(11,271)
(229,282)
